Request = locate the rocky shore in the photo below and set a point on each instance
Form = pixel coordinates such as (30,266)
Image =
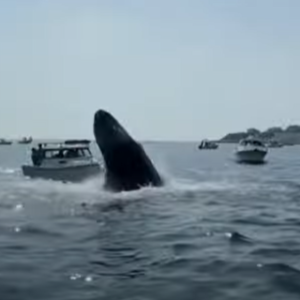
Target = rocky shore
(287,136)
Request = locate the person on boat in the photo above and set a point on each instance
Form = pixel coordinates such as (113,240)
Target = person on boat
(76,153)
(40,151)
(60,154)
(40,154)
(72,153)
(35,157)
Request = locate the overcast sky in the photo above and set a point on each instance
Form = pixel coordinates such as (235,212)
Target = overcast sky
(167,69)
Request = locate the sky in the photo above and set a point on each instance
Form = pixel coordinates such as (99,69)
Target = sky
(166,69)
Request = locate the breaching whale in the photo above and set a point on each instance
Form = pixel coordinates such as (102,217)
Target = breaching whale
(127,166)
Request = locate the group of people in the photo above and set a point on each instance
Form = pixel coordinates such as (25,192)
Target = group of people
(69,153)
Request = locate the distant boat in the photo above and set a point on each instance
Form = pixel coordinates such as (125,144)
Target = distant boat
(205,144)
(5,142)
(251,150)
(289,144)
(274,144)
(25,140)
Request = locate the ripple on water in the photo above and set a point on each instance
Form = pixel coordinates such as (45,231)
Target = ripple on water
(226,232)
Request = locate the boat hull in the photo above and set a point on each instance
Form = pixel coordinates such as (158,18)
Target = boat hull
(213,147)
(76,173)
(207,145)
(251,156)
(24,142)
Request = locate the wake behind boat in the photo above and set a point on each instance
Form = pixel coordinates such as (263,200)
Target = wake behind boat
(69,161)
(251,150)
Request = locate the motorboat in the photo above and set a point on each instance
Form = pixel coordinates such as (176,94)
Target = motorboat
(5,142)
(274,144)
(251,150)
(25,140)
(205,144)
(71,161)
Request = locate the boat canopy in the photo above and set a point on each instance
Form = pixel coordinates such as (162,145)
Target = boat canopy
(78,144)
(63,148)
(74,142)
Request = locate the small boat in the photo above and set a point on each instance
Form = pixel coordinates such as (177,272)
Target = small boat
(25,140)
(274,144)
(71,161)
(5,142)
(205,144)
(251,150)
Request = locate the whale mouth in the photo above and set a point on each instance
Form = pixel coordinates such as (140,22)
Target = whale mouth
(108,130)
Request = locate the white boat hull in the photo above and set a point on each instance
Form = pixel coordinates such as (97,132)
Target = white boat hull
(74,173)
(251,156)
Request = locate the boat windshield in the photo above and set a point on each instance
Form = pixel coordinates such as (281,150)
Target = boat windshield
(251,142)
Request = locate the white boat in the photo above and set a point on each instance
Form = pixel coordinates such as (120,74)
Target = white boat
(205,144)
(251,150)
(71,161)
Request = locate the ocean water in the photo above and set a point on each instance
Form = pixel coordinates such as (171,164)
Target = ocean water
(217,230)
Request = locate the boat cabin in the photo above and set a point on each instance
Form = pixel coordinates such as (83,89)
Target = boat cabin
(61,153)
(252,142)
(66,152)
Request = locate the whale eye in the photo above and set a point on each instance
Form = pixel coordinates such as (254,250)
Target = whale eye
(116,128)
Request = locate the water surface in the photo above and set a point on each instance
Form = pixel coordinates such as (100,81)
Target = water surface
(217,230)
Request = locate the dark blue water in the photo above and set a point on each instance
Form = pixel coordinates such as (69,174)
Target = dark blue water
(218,230)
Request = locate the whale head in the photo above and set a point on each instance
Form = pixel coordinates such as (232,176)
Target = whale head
(108,131)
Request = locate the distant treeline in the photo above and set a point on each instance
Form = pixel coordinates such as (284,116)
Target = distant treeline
(270,133)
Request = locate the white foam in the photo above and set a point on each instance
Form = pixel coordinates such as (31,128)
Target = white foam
(93,188)
(91,191)
(8,170)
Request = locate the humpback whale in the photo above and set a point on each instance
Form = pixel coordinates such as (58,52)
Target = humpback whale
(127,166)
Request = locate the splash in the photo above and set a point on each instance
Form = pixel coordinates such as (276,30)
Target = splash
(91,191)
